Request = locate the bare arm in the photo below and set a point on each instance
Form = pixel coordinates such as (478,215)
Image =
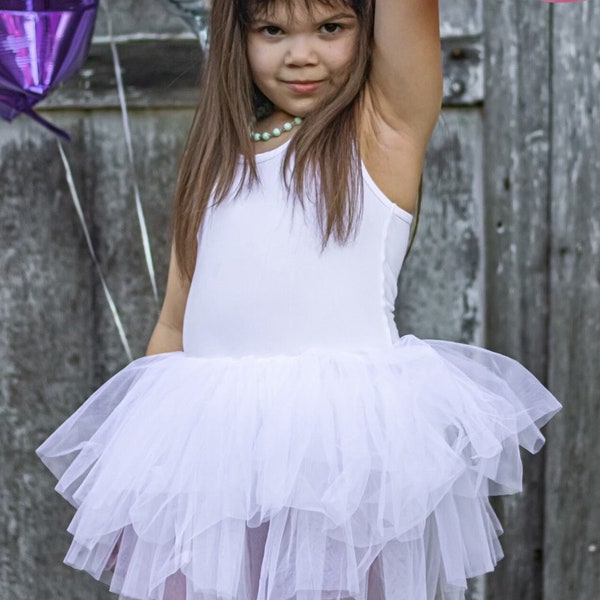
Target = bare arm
(406,73)
(402,97)
(167,334)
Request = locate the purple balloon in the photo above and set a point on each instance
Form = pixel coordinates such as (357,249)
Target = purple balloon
(42,43)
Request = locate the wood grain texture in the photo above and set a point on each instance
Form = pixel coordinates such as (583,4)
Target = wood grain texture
(516,184)
(460,18)
(156,73)
(441,292)
(46,360)
(572,540)
(158,138)
(57,339)
(134,17)
(441,285)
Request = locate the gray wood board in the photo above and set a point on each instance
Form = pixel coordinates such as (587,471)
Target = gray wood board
(516,183)
(158,139)
(572,541)
(58,341)
(463,17)
(46,357)
(440,291)
(157,73)
(441,285)
(135,17)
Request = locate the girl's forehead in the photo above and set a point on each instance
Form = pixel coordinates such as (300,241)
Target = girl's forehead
(288,8)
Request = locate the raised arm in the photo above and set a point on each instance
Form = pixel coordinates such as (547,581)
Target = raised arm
(406,72)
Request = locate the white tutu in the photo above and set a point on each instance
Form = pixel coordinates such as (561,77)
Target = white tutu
(313,476)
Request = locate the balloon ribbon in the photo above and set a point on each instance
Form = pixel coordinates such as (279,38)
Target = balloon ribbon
(88,239)
(128,142)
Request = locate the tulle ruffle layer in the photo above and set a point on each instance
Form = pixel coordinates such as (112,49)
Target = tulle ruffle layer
(319,476)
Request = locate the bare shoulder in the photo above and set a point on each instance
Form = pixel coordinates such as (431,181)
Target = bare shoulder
(393,151)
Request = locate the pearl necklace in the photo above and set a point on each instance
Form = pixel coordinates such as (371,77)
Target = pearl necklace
(265,136)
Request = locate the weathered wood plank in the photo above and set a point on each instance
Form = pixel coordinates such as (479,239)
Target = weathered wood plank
(46,358)
(516,183)
(440,292)
(158,138)
(139,16)
(161,73)
(441,285)
(572,537)
(460,18)
(58,340)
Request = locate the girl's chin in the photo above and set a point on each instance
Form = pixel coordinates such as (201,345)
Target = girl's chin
(297,109)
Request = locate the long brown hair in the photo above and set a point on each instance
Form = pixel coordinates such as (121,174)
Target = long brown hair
(325,148)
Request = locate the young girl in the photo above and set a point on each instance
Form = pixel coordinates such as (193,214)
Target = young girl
(280,441)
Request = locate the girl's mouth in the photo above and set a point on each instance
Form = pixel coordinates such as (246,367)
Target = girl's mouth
(303,87)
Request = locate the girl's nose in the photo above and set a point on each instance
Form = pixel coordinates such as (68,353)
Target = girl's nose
(301,52)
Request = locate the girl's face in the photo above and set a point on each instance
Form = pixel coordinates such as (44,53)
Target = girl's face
(297,57)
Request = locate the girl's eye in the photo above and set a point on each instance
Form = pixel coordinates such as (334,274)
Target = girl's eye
(331,27)
(271,30)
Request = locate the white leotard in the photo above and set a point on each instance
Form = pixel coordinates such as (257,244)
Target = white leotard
(262,286)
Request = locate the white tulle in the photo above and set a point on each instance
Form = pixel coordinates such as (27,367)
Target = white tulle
(316,476)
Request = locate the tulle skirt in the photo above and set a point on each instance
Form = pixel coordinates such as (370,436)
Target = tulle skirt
(316,476)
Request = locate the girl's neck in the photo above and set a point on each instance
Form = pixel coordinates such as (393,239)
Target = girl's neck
(276,119)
